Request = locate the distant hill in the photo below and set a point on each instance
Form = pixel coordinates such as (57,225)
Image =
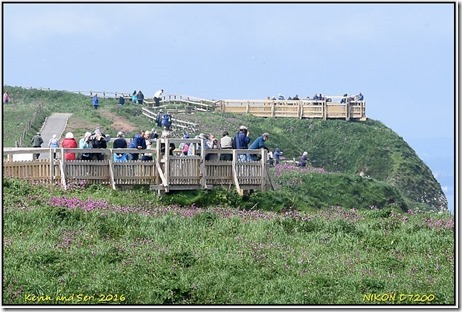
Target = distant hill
(347,148)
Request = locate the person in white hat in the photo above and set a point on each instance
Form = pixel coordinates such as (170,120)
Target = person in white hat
(242,140)
(69,142)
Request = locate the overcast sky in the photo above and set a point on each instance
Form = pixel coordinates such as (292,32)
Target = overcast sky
(400,56)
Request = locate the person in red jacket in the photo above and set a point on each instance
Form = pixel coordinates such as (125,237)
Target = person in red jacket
(69,142)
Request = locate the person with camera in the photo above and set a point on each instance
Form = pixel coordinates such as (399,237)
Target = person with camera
(98,140)
(85,143)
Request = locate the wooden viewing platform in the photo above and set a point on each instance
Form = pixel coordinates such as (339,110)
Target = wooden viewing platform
(164,173)
(317,109)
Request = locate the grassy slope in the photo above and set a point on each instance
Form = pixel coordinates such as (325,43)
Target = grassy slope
(98,242)
(336,146)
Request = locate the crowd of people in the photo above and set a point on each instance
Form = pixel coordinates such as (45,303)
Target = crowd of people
(137,97)
(320,97)
(143,141)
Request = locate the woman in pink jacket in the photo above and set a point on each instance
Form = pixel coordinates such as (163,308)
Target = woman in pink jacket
(69,142)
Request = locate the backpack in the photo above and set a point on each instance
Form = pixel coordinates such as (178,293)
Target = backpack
(233,143)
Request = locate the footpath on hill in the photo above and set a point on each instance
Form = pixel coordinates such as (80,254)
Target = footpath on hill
(54,124)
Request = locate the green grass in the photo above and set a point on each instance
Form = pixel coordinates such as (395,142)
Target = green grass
(90,242)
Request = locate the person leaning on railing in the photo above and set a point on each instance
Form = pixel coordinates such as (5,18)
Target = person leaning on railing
(120,142)
(137,142)
(226,142)
(258,144)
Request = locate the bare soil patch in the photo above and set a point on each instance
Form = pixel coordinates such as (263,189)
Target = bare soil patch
(119,123)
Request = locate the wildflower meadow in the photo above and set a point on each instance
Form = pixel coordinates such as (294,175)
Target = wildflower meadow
(92,245)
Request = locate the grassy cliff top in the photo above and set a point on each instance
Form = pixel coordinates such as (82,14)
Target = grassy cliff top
(348,148)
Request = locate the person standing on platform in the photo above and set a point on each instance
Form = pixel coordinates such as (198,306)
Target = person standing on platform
(226,142)
(69,142)
(54,144)
(120,142)
(37,142)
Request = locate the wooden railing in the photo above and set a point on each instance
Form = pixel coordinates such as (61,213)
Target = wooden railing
(164,173)
(178,125)
(351,110)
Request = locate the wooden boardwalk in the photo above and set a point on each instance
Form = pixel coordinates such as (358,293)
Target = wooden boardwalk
(164,173)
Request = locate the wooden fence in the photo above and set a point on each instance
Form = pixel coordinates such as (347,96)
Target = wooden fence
(178,126)
(164,173)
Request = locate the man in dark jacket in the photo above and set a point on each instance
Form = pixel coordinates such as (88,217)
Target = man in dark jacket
(140,97)
(98,140)
(37,142)
(120,142)
(138,142)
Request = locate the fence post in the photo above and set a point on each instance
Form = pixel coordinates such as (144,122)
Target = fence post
(263,168)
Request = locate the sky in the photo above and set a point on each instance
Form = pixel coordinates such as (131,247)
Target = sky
(401,56)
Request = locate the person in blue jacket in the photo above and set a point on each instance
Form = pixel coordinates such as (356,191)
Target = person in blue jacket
(277,155)
(258,144)
(95,101)
(242,141)
(167,121)
(138,142)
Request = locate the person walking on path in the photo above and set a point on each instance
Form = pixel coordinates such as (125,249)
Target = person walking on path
(140,97)
(121,100)
(157,96)
(54,144)
(95,101)
(277,155)
(36,142)
(6,98)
